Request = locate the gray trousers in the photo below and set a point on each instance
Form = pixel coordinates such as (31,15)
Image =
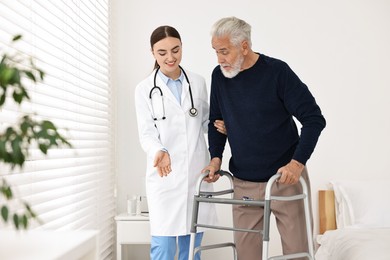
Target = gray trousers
(289,215)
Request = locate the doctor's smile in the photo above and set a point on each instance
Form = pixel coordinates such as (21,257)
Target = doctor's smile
(171,63)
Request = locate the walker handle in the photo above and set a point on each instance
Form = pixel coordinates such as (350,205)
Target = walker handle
(274,179)
(220,172)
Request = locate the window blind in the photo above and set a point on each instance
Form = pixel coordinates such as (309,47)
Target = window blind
(70,188)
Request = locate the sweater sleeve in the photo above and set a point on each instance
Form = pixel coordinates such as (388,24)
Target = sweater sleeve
(300,102)
(216,140)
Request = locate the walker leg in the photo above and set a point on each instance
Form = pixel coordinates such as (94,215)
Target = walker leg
(266,228)
(308,227)
(192,246)
(265,250)
(195,211)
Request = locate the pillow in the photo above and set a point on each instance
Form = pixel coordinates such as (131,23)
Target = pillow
(362,203)
(343,218)
(354,243)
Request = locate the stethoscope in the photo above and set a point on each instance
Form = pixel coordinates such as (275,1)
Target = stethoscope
(193,111)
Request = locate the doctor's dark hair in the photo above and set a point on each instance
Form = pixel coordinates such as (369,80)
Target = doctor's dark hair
(236,29)
(160,33)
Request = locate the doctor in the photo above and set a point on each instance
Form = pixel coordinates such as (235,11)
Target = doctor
(172,114)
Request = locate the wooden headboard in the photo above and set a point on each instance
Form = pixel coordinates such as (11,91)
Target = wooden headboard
(327,211)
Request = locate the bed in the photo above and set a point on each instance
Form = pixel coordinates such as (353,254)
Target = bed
(354,221)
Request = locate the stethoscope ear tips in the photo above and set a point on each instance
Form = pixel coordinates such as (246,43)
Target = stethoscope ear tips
(155,118)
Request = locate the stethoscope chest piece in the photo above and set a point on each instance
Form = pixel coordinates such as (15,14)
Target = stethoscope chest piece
(193,112)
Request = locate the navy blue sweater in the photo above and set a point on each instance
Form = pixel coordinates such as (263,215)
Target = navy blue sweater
(258,106)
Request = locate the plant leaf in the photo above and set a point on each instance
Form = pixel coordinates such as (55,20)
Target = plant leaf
(43,148)
(7,192)
(4,213)
(17,37)
(41,74)
(16,220)
(24,221)
(30,75)
(7,76)
(2,100)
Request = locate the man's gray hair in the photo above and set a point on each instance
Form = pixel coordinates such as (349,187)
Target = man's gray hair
(236,29)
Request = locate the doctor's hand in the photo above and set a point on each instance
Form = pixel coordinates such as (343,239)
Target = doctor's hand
(162,162)
(213,167)
(291,172)
(220,125)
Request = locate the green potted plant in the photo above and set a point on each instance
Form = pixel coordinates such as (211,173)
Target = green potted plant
(15,140)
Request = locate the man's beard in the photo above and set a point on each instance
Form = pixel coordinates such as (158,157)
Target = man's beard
(236,68)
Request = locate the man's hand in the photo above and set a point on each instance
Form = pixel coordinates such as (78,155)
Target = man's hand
(162,162)
(220,126)
(213,167)
(291,172)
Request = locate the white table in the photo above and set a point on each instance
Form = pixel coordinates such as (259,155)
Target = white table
(48,245)
(131,230)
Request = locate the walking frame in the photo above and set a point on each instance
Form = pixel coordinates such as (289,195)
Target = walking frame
(212,197)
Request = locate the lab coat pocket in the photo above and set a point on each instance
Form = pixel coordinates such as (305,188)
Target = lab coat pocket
(163,184)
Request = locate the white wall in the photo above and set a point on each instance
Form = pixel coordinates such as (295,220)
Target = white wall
(340,49)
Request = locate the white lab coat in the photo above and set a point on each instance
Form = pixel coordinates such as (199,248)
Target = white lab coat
(170,199)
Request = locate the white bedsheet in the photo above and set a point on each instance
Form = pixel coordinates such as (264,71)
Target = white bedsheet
(354,244)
